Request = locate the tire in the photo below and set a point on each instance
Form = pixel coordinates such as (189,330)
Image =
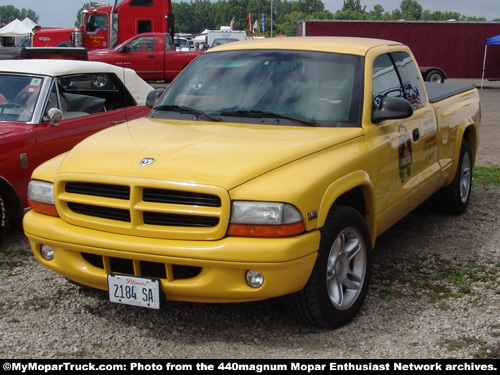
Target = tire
(435,76)
(101,81)
(3,216)
(454,198)
(339,281)
(65,44)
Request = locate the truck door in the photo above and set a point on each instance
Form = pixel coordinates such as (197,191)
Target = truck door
(143,55)
(96,31)
(404,150)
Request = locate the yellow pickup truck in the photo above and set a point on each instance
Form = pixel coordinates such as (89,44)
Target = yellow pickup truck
(267,168)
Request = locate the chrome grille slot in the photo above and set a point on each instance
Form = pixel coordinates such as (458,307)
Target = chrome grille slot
(180,197)
(99,211)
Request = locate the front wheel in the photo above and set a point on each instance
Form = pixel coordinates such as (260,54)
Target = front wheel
(3,216)
(339,281)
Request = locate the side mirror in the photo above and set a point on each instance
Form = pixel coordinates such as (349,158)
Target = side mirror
(391,109)
(55,115)
(123,49)
(153,97)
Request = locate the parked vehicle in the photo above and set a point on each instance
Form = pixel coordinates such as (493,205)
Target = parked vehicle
(267,168)
(443,49)
(152,55)
(47,107)
(104,27)
(215,38)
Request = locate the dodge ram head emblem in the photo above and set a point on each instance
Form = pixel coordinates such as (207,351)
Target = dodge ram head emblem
(147,161)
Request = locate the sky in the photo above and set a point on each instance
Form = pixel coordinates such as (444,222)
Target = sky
(62,13)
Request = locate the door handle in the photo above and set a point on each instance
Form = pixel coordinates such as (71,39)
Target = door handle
(416,134)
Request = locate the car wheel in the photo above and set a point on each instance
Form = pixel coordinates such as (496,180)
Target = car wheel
(435,76)
(101,81)
(454,198)
(339,281)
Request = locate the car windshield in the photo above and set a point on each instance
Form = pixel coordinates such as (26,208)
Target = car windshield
(18,97)
(276,87)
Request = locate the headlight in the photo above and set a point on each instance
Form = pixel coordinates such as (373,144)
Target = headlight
(265,219)
(41,197)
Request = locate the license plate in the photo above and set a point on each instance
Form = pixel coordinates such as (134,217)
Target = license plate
(135,291)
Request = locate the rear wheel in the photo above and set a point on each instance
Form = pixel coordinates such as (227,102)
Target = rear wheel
(454,198)
(339,281)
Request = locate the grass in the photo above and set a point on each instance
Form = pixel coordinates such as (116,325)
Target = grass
(486,176)
(435,278)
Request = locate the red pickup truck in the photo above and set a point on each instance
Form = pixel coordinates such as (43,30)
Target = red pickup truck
(151,55)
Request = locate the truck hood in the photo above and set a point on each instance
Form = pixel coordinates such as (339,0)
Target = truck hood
(98,55)
(222,154)
(100,52)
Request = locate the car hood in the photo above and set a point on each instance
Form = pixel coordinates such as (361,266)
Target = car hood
(222,154)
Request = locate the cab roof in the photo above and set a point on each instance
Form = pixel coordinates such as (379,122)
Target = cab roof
(350,45)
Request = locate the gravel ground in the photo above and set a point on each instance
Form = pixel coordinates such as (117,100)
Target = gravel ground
(434,294)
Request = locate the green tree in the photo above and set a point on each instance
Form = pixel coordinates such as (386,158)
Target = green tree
(377,13)
(411,10)
(352,10)
(9,13)
(196,15)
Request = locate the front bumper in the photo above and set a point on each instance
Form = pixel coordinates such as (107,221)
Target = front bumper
(195,271)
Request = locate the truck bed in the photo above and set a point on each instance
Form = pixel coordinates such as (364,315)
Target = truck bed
(440,91)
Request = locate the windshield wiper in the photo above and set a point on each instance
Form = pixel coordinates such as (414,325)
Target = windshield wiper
(254,113)
(183,109)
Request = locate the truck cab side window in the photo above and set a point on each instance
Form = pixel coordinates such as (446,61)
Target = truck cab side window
(395,75)
(143,27)
(386,82)
(412,85)
(141,3)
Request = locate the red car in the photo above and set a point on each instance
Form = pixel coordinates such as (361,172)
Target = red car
(47,107)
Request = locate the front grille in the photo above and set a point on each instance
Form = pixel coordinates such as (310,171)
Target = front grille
(145,209)
(145,269)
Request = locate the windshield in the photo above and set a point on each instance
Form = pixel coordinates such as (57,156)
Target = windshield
(278,87)
(18,97)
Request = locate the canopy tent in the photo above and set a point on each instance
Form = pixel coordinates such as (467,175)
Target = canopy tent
(15,28)
(28,23)
(494,40)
